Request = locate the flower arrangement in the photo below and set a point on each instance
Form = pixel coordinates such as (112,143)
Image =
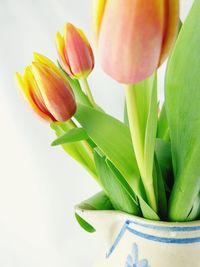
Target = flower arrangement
(147,165)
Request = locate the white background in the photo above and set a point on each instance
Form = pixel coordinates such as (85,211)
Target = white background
(39,185)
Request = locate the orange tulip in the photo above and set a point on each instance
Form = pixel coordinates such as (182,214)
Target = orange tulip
(134,36)
(46,90)
(74,51)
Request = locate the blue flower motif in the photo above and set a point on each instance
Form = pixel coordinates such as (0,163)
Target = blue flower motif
(133,259)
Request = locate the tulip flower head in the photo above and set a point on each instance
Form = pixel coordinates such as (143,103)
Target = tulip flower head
(134,36)
(74,51)
(46,90)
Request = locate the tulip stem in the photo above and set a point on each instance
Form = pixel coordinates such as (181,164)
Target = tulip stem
(88,91)
(83,143)
(138,144)
(85,148)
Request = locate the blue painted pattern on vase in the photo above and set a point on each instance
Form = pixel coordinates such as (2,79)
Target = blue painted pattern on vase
(128,226)
(133,259)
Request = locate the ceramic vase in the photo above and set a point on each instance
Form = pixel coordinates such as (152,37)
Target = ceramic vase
(130,241)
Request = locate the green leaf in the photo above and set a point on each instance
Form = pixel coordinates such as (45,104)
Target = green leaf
(118,176)
(147,212)
(195,211)
(113,138)
(97,202)
(113,188)
(80,151)
(85,225)
(163,127)
(125,115)
(183,109)
(60,129)
(73,135)
(164,158)
(160,190)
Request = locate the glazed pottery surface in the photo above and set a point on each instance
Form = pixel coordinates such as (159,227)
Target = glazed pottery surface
(130,241)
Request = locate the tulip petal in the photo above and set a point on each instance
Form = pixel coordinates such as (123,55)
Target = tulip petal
(172,19)
(98,11)
(46,61)
(78,52)
(60,45)
(130,39)
(49,63)
(35,92)
(83,36)
(32,98)
(58,97)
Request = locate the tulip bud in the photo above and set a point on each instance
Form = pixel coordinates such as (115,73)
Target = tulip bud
(74,51)
(46,90)
(134,36)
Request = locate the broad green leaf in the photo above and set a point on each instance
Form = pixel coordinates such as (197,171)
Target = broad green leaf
(147,212)
(160,191)
(113,138)
(183,109)
(164,158)
(80,151)
(113,188)
(98,202)
(71,149)
(73,135)
(163,127)
(195,212)
(118,176)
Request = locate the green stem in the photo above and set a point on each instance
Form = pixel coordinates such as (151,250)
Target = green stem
(134,125)
(83,143)
(88,91)
(138,144)
(86,152)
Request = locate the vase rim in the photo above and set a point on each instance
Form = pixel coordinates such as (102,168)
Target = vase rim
(142,221)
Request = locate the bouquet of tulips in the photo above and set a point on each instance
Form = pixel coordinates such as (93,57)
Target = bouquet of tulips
(149,164)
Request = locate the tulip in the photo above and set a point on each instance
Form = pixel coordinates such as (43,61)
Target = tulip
(46,90)
(74,51)
(134,36)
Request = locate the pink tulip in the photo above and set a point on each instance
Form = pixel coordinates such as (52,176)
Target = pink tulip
(45,89)
(134,36)
(75,53)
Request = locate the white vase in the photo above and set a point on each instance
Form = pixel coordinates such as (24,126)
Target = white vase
(130,241)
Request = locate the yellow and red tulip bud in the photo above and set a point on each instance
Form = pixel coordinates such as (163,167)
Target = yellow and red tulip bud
(74,51)
(46,90)
(134,36)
